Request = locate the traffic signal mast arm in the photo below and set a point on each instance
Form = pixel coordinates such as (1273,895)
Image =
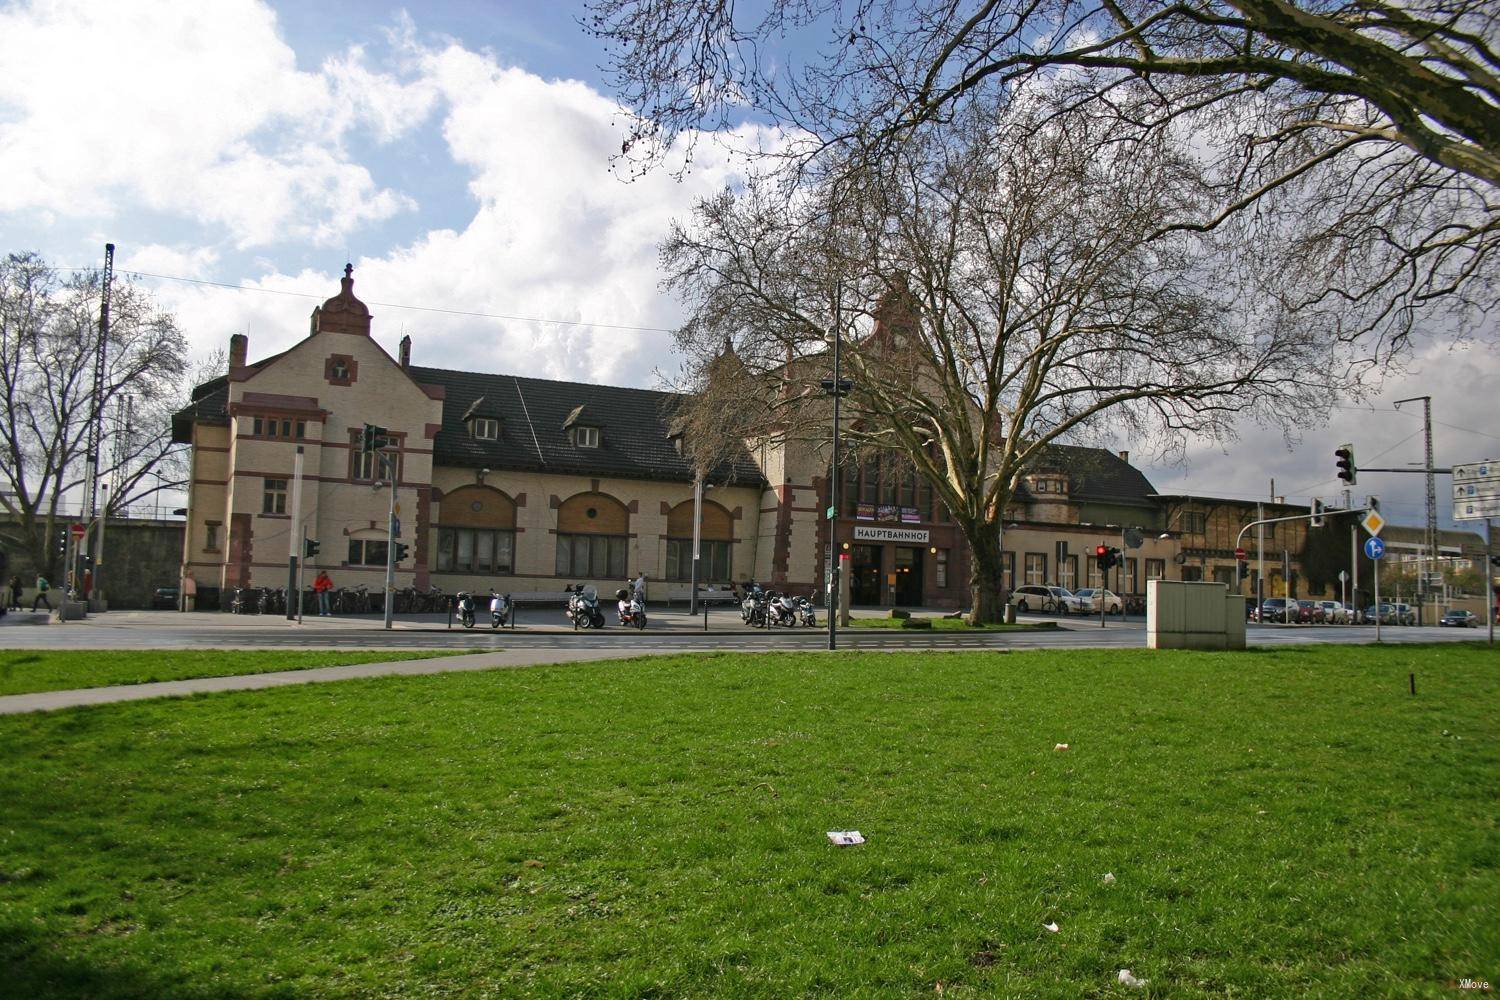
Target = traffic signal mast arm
(1326,512)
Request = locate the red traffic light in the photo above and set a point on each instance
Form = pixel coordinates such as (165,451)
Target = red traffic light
(1100,550)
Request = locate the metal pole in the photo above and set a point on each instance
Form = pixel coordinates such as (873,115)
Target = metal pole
(1354,561)
(294,540)
(697,538)
(301,567)
(96,412)
(833,481)
(1376,564)
(1260,561)
(1489,576)
(390,547)
(99,550)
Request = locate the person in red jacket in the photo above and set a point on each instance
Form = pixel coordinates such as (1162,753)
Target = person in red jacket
(321,586)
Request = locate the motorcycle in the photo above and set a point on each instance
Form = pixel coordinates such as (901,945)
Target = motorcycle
(753,607)
(583,607)
(782,610)
(632,609)
(806,613)
(499,609)
(465,608)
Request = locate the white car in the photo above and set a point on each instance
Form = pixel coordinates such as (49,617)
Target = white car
(1334,613)
(1089,598)
(1034,597)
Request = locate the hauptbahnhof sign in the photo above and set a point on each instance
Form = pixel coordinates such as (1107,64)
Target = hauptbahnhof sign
(876,533)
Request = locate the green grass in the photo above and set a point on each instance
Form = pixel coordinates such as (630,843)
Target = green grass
(26,670)
(956,625)
(1287,822)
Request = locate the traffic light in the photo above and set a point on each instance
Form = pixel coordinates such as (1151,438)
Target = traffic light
(372,438)
(62,542)
(1495,561)
(1102,554)
(1373,503)
(1347,470)
(310,547)
(1317,513)
(401,550)
(1241,571)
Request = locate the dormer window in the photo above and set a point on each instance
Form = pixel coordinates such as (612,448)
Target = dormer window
(484,429)
(586,437)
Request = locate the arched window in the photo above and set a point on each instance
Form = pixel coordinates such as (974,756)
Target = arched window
(593,531)
(715,540)
(476,532)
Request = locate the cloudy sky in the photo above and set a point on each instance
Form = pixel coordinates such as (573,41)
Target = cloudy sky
(457,152)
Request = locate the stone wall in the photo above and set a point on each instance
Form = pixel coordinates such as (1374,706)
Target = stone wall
(139,556)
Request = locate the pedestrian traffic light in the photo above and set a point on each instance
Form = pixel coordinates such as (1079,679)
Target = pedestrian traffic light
(401,550)
(310,547)
(1107,556)
(1347,470)
(1241,570)
(1317,513)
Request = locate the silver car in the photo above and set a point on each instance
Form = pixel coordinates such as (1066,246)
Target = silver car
(1334,613)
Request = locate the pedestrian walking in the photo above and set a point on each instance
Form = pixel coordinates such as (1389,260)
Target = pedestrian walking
(42,586)
(639,586)
(14,600)
(321,586)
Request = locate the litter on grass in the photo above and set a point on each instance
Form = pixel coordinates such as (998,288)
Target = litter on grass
(845,838)
(1052,927)
(1061,746)
(1109,878)
(1129,980)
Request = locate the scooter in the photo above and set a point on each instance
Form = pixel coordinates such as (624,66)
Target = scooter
(632,609)
(499,609)
(753,607)
(583,607)
(466,609)
(806,613)
(782,610)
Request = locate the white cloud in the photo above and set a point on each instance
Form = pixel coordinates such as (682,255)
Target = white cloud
(190,109)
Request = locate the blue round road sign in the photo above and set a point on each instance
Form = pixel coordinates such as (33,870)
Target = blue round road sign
(1374,547)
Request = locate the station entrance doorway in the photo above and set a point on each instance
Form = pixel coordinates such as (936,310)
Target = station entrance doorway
(909,577)
(864,574)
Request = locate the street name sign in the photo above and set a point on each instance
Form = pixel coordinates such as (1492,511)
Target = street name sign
(1374,547)
(1372,523)
(1476,490)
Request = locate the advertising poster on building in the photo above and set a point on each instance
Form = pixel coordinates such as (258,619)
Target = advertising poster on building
(864,511)
(885,512)
(909,515)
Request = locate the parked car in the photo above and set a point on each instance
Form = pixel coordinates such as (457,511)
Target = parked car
(1393,614)
(1307,613)
(1067,601)
(1113,604)
(1273,609)
(1334,613)
(1458,618)
(164,598)
(1035,597)
(1405,614)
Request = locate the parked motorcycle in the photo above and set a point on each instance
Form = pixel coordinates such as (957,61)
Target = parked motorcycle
(583,607)
(807,613)
(753,606)
(781,610)
(632,609)
(465,609)
(499,609)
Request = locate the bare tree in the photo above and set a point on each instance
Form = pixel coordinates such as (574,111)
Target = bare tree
(49,333)
(1372,128)
(997,296)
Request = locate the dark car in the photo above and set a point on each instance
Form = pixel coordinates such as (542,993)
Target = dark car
(1273,609)
(1459,619)
(1307,612)
(164,598)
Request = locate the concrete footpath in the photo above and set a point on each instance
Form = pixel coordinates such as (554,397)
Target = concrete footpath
(47,701)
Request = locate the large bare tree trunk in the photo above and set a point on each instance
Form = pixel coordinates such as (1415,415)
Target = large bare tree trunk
(986,576)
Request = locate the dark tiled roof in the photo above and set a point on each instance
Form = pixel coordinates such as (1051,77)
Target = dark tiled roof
(1096,475)
(210,405)
(634,428)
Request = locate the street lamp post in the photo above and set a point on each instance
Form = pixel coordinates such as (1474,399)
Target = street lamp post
(837,387)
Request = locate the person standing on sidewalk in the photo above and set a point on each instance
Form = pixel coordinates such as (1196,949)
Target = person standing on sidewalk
(13,601)
(42,586)
(321,586)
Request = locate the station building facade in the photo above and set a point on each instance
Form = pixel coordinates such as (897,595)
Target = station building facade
(527,485)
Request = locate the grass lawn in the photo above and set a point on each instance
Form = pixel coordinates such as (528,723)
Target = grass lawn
(1285,822)
(26,670)
(956,625)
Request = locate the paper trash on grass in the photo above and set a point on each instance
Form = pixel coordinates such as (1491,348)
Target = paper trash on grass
(845,838)
(1109,878)
(1052,927)
(1129,980)
(1061,746)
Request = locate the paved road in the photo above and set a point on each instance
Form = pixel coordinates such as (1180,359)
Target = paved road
(670,632)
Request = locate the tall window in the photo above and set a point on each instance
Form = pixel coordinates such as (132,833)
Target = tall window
(1067,572)
(1194,522)
(475,550)
(1036,567)
(713,563)
(1156,569)
(211,536)
(941,569)
(273,500)
(367,552)
(1008,569)
(1096,575)
(600,557)
(1132,582)
(372,465)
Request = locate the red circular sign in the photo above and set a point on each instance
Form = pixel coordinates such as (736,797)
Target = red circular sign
(79,531)
(1239,553)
